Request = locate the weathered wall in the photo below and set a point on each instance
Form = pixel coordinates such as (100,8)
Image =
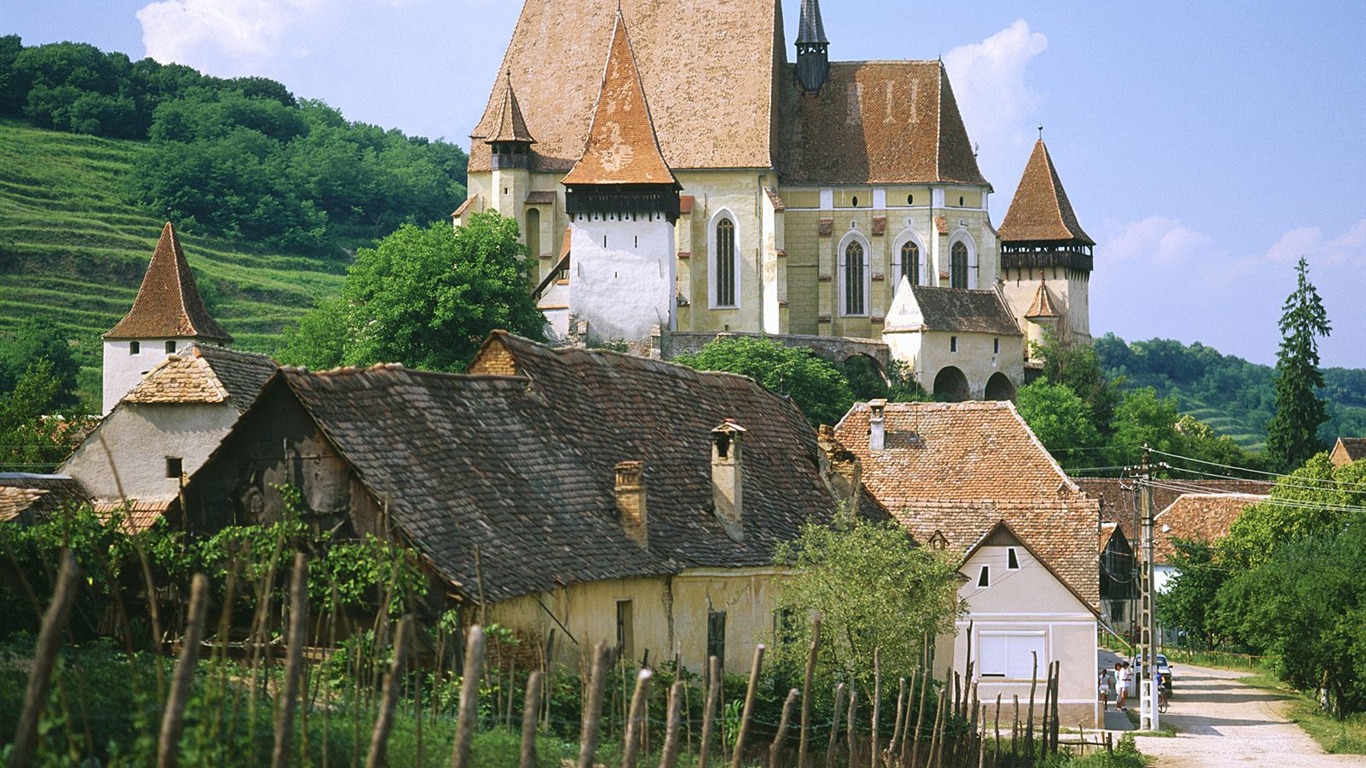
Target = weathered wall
(622,275)
(124,370)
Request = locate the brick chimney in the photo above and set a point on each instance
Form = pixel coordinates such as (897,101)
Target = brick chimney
(727,477)
(840,469)
(877,425)
(630,491)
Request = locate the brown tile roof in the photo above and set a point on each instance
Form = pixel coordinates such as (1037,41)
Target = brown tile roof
(954,309)
(622,147)
(1348,450)
(541,197)
(134,516)
(1003,534)
(168,305)
(205,374)
(959,468)
(509,125)
(1197,516)
(28,497)
(876,122)
(1040,211)
(1118,497)
(1042,306)
(708,69)
(523,467)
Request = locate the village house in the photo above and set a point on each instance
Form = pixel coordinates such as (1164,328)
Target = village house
(26,498)
(584,495)
(1118,577)
(679,175)
(1196,517)
(972,479)
(1347,450)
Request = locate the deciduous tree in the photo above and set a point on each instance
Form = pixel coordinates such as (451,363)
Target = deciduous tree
(816,386)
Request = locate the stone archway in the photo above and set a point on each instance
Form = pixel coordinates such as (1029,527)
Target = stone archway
(951,385)
(1000,387)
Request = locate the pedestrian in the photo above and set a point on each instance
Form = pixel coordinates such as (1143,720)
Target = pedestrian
(1122,682)
(1104,689)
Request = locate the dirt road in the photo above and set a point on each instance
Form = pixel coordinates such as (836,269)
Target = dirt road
(1221,722)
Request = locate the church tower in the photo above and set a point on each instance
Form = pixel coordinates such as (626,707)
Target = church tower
(1046,257)
(813,50)
(510,147)
(167,316)
(623,201)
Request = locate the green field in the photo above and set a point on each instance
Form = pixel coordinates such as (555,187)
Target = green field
(73,251)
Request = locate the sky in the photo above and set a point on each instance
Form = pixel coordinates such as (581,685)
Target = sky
(1205,146)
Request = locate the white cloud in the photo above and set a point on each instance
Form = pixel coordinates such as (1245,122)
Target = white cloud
(201,33)
(1158,240)
(989,83)
(1310,242)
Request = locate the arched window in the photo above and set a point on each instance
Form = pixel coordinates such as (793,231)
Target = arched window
(910,262)
(855,275)
(724,263)
(958,265)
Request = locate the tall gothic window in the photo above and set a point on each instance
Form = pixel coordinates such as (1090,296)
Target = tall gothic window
(725,263)
(958,265)
(855,270)
(910,262)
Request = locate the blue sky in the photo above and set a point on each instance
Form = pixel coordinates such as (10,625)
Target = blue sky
(1205,146)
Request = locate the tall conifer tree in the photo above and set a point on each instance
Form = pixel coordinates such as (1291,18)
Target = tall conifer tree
(1292,434)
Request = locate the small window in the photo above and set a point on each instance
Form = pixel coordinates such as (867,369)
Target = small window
(910,199)
(175,466)
(626,634)
(1012,559)
(996,349)
(716,635)
(953,343)
(604,241)
(855,201)
(134,348)
(984,576)
(784,625)
(170,347)
(960,201)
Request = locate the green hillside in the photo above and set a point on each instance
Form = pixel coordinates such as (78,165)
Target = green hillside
(73,251)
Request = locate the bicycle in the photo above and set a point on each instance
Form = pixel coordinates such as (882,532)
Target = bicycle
(1162,697)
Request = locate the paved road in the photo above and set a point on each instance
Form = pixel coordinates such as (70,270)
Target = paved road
(1221,722)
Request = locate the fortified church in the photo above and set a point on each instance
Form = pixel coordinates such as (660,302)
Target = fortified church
(676,176)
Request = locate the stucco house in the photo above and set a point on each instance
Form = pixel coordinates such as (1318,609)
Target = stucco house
(588,495)
(973,479)
(1203,517)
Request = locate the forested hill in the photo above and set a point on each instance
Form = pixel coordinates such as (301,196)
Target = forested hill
(1235,397)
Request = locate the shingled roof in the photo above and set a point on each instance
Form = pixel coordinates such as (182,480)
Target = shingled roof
(168,304)
(622,147)
(810,27)
(522,467)
(708,69)
(957,469)
(29,497)
(1118,497)
(1042,306)
(960,310)
(1348,450)
(1040,210)
(1199,517)
(509,125)
(205,374)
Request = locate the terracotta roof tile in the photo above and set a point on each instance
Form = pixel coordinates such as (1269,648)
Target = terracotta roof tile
(950,309)
(877,122)
(1118,498)
(1348,450)
(688,67)
(509,125)
(959,468)
(134,516)
(29,497)
(1042,306)
(1197,516)
(622,147)
(541,197)
(168,304)
(1040,211)
(205,374)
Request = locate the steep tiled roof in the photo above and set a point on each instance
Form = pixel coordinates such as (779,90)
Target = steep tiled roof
(205,374)
(1042,306)
(1117,497)
(877,122)
(135,516)
(1197,516)
(621,148)
(1002,533)
(959,468)
(523,467)
(708,69)
(919,307)
(29,496)
(509,125)
(1040,211)
(1348,450)
(168,305)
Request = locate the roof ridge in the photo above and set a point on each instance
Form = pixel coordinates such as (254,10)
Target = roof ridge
(168,304)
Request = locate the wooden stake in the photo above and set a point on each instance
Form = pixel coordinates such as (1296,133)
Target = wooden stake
(925,682)
(750,693)
(709,709)
(468,718)
(877,707)
(1029,729)
(669,757)
(298,628)
(906,734)
(834,727)
(635,721)
(851,719)
(44,658)
(775,752)
(936,736)
(172,721)
(592,716)
(529,719)
(393,678)
(896,721)
(806,689)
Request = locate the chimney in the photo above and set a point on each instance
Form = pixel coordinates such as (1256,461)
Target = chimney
(877,425)
(727,477)
(630,491)
(840,469)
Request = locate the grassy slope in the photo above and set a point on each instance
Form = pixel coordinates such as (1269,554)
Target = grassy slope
(72,251)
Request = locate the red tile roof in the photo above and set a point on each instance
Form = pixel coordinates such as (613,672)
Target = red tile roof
(1348,450)
(1197,516)
(168,304)
(205,374)
(1040,211)
(1042,305)
(29,497)
(1118,498)
(509,125)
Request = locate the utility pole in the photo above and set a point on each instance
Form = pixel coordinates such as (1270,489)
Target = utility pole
(1147,703)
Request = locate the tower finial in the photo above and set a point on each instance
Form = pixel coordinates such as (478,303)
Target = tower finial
(1040,131)
(813,49)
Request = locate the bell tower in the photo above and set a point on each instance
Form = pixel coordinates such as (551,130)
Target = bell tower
(510,147)
(813,49)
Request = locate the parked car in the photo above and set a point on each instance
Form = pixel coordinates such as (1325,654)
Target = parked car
(1164,670)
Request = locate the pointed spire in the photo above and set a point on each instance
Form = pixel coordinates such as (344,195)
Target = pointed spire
(813,49)
(509,126)
(168,304)
(1040,211)
(811,30)
(1043,304)
(622,147)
